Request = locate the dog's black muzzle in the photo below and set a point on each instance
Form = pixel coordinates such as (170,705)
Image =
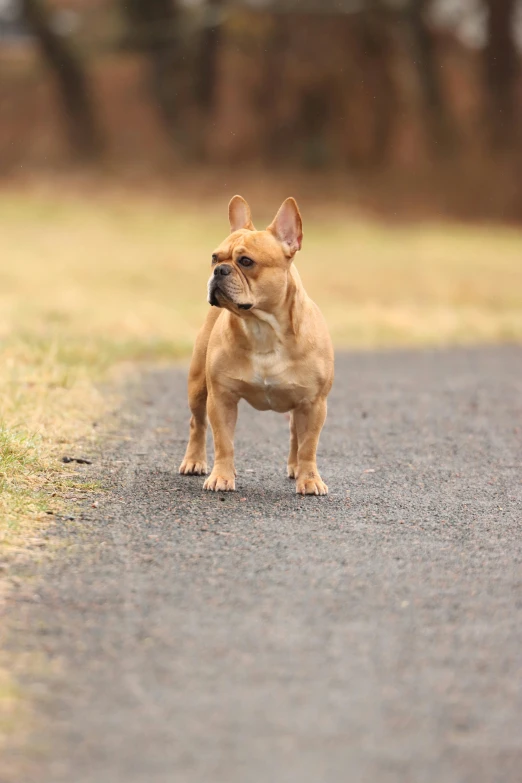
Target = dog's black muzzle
(214,289)
(212,298)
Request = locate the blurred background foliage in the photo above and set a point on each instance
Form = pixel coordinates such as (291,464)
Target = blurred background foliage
(417,102)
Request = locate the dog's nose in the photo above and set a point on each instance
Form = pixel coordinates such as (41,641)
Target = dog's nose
(223,269)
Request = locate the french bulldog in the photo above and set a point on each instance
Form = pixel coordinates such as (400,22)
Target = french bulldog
(264,341)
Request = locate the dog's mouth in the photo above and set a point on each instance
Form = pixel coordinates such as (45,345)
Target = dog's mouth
(214,301)
(212,297)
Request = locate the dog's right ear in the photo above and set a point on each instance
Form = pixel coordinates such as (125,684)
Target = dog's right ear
(239,214)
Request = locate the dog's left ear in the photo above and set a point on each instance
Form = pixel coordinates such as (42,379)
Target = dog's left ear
(287,226)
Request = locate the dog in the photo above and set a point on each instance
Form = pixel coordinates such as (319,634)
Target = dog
(263,341)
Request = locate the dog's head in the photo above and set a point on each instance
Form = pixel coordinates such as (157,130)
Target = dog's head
(250,268)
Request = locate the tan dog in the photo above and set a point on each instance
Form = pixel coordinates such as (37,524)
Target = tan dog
(265,342)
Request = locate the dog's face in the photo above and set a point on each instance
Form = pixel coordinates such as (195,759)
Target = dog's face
(250,268)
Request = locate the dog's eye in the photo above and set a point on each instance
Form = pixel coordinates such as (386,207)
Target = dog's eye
(214,258)
(246,261)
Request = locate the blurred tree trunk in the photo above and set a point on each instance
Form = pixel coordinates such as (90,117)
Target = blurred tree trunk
(438,123)
(71,81)
(277,136)
(313,121)
(378,66)
(154,31)
(501,66)
(206,77)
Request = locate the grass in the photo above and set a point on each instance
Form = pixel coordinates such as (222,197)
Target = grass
(48,401)
(89,282)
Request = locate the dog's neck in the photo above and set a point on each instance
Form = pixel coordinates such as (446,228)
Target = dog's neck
(266,330)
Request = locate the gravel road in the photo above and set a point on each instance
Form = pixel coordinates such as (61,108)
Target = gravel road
(371,636)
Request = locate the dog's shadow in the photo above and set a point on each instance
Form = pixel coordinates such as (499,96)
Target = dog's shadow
(267,492)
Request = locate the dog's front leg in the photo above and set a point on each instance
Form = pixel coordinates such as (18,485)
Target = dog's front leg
(309,420)
(222,414)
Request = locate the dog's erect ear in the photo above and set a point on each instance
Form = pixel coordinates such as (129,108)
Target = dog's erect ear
(287,226)
(239,214)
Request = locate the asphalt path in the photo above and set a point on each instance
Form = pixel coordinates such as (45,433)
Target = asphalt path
(373,635)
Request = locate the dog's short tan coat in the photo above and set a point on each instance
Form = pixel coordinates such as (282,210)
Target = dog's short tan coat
(265,341)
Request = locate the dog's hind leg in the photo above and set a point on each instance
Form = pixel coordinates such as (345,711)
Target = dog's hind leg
(292,455)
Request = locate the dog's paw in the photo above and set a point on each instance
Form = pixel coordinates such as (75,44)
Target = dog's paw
(190,467)
(311,484)
(217,483)
(291,471)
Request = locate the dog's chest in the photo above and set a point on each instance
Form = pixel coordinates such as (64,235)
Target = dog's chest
(268,370)
(271,382)
(270,385)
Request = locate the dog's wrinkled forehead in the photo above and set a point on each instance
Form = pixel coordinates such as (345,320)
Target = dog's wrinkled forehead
(261,246)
